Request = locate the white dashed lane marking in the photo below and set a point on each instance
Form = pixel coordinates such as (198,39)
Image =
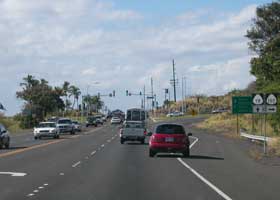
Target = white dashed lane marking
(76,164)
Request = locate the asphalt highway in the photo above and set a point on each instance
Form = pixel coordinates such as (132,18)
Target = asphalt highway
(93,165)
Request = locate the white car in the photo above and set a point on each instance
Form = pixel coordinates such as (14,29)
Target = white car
(175,114)
(116,120)
(46,129)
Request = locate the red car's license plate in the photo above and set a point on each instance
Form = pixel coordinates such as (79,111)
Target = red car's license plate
(169,139)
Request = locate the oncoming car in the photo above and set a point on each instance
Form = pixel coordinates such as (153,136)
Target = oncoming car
(116,120)
(4,137)
(46,129)
(169,138)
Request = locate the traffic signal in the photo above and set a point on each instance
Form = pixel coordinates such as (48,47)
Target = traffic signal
(140,94)
(98,94)
(114,93)
(166,91)
(110,95)
(126,92)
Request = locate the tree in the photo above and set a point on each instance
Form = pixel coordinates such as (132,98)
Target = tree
(93,100)
(264,36)
(75,92)
(66,89)
(40,98)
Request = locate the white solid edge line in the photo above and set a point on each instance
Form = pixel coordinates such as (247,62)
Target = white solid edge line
(30,195)
(220,192)
(92,153)
(76,164)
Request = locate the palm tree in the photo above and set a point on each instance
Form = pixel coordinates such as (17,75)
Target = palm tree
(75,92)
(66,89)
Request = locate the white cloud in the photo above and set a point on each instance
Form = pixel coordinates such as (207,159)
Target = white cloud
(89,72)
(39,38)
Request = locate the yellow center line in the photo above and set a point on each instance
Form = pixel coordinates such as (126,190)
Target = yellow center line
(33,147)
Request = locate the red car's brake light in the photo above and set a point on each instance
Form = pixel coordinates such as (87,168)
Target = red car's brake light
(157,139)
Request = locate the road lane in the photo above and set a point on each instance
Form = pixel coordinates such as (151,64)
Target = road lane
(127,172)
(47,163)
(105,169)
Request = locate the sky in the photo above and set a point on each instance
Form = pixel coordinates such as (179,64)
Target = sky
(121,44)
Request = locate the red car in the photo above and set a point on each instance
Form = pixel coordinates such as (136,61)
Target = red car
(169,138)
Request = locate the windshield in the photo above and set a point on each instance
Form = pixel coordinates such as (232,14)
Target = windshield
(140,99)
(64,121)
(47,125)
(170,129)
(134,125)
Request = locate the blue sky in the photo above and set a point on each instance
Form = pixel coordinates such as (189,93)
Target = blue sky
(123,43)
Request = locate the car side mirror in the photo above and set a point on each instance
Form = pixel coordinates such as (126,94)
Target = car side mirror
(149,133)
(189,134)
(4,131)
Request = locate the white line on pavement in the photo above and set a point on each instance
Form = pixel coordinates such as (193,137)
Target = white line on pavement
(46,184)
(41,187)
(92,153)
(30,195)
(76,164)
(18,174)
(103,145)
(36,191)
(220,192)
(195,141)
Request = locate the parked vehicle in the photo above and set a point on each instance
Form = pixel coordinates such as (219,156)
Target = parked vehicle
(219,110)
(116,120)
(46,129)
(4,137)
(175,114)
(104,119)
(65,125)
(133,131)
(77,126)
(91,121)
(99,119)
(169,138)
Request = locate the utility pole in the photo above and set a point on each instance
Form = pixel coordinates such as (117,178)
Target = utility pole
(152,90)
(183,95)
(144,103)
(173,81)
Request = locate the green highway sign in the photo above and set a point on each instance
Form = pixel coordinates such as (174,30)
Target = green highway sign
(242,105)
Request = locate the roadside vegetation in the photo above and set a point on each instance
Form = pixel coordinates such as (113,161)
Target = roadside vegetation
(43,101)
(264,42)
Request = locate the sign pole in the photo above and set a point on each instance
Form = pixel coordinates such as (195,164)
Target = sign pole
(237,124)
(264,144)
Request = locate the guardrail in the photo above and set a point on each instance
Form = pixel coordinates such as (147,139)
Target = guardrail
(254,137)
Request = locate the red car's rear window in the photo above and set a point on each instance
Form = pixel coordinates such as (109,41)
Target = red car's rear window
(170,129)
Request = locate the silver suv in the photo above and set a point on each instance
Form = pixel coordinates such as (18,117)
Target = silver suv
(65,125)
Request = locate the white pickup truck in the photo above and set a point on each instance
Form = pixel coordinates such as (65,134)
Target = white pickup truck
(133,131)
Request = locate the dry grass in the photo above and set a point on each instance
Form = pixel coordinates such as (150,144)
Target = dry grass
(255,154)
(10,124)
(227,123)
(274,147)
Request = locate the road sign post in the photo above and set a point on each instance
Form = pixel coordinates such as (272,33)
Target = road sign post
(241,105)
(264,104)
